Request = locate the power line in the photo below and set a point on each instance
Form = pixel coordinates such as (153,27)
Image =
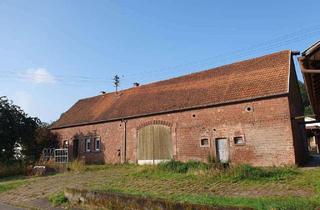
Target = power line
(282,40)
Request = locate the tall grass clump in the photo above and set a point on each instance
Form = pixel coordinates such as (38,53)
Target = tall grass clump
(247,172)
(181,167)
(58,199)
(77,166)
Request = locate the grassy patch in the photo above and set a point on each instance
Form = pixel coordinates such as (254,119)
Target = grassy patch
(194,182)
(9,185)
(259,188)
(247,172)
(261,203)
(58,199)
(180,167)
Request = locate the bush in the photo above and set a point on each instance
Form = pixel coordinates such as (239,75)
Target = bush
(180,167)
(247,172)
(13,169)
(58,199)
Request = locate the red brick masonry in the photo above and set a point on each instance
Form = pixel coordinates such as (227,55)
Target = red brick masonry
(259,105)
(267,130)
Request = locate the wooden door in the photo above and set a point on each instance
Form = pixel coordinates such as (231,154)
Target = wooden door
(75,148)
(154,144)
(222,148)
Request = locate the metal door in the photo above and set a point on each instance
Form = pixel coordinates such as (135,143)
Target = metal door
(222,148)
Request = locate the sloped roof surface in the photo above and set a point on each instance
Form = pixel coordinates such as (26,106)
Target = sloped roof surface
(258,77)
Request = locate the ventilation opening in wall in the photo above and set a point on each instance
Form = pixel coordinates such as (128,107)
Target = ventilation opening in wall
(193,115)
(204,142)
(248,108)
(238,140)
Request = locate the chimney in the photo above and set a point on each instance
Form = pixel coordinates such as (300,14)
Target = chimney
(136,84)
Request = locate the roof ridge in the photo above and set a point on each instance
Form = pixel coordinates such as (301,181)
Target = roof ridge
(190,74)
(244,80)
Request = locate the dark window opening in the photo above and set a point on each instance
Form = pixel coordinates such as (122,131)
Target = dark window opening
(97,144)
(238,140)
(204,142)
(65,144)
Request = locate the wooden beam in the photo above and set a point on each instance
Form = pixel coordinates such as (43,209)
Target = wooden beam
(311,71)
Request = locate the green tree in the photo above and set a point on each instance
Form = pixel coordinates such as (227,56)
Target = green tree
(305,99)
(17,129)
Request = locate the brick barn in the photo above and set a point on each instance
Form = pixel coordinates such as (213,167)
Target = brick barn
(244,112)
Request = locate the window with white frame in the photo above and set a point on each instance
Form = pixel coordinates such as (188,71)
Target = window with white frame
(88,145)
(97,144)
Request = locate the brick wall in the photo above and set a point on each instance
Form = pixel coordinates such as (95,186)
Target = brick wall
(266,129)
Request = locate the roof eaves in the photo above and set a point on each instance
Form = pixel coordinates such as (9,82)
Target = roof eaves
(310,49)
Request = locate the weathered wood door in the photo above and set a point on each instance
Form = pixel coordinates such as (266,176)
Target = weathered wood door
(154,144)
(75,148)
(222,148)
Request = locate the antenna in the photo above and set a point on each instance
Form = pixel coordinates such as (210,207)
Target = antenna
(116,82)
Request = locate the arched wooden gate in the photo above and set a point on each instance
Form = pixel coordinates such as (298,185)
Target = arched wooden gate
(154,144)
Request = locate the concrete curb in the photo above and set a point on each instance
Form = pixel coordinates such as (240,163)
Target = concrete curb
(112,200)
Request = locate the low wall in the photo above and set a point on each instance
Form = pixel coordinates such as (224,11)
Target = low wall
(112,200)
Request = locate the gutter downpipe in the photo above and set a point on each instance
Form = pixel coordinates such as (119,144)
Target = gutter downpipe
(125,141)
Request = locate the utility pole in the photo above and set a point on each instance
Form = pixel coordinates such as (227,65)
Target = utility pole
(116,82)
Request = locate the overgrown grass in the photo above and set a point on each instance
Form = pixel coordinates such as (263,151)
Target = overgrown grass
(9,185)
(247,172)
(233,173)
(77,166)
(195,182)
(187,182)
(58,199)
(260,203)
(180,167)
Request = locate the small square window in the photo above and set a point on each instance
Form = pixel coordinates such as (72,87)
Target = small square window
(204,142)
(88,145)
(238,140)
(97,144)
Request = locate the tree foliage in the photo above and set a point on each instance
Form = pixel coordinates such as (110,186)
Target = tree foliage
(305,99)
(18,130)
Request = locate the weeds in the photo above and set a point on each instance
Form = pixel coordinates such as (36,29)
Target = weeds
(180,167)
(77,166)
(58,199)
(247,172)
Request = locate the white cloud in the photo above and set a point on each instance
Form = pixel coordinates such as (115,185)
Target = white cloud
(38,76)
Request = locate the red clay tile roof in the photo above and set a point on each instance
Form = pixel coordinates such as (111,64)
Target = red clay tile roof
(254,78)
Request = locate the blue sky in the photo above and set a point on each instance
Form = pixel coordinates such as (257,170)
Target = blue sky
(56,52)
